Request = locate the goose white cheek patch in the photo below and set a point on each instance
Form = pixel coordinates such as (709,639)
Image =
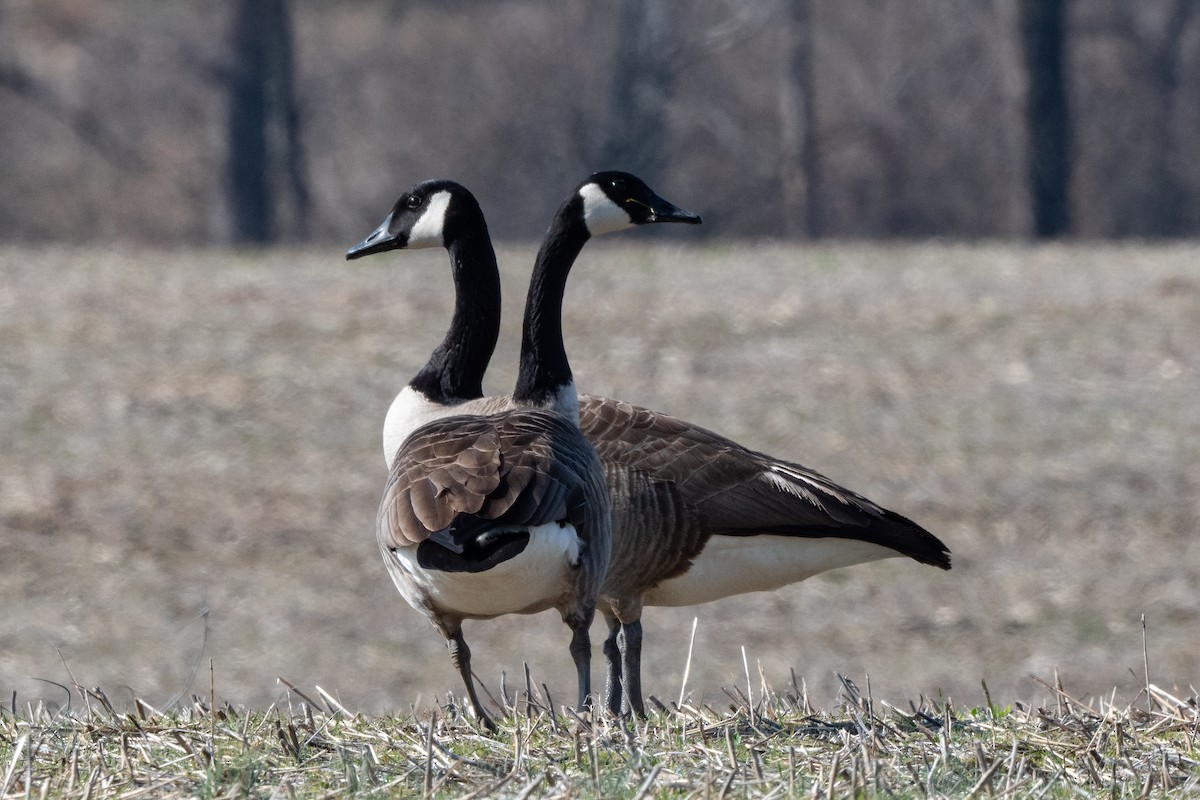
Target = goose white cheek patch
(427,232)
(600,214)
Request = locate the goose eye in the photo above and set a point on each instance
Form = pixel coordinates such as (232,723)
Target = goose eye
(617,183)
(412,202)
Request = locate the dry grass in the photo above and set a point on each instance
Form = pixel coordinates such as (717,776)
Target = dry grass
(189,463)
(767,744)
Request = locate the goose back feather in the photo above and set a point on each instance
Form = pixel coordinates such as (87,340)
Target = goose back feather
(680,491)
(509,496)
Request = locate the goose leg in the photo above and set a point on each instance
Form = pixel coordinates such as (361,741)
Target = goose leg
(460,656)
(631,667)
(612,663)
(581,652)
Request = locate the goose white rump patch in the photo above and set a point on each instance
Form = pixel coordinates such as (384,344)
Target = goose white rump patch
(532,581)
(731,565)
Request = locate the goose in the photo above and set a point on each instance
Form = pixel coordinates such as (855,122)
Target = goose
(695,516)
(494,510)
(500,514)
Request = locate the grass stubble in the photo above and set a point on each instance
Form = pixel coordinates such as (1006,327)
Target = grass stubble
(763,742)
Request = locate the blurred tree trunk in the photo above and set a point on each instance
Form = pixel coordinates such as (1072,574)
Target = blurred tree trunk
(89,126)
(250,200)
(263,112)
(290,118)
(1167,197)
(800,167)
(637,139)
(1048,120)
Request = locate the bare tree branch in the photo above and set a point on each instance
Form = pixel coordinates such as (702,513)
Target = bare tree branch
(83,123)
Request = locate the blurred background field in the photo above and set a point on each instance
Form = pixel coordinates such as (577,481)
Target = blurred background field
(189,439)
(949,258)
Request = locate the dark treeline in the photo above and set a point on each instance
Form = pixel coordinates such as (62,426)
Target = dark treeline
(268,120)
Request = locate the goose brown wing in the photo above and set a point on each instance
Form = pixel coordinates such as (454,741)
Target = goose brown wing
(727,489)
(515,468)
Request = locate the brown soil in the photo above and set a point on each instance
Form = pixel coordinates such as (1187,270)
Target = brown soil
(190,463)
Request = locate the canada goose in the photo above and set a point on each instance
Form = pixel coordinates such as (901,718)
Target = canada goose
(501,514)
(500,511)
(695,516)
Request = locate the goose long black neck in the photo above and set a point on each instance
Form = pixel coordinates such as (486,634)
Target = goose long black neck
(545,370)
(455,370)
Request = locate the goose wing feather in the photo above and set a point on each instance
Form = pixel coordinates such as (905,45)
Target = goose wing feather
(517,468)
(726,489)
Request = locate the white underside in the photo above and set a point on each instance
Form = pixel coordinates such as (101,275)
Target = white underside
(532,581)
(732,565)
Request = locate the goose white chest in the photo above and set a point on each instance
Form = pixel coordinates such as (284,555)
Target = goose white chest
(409,410)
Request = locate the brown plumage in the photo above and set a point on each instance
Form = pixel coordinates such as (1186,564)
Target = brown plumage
(682,483)
(519,468)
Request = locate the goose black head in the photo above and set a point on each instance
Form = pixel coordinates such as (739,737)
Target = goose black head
(428,215)
(613,201)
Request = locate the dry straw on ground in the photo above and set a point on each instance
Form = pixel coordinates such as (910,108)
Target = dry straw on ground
(773,744)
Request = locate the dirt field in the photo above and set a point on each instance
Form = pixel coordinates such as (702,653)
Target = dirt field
(189,442)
